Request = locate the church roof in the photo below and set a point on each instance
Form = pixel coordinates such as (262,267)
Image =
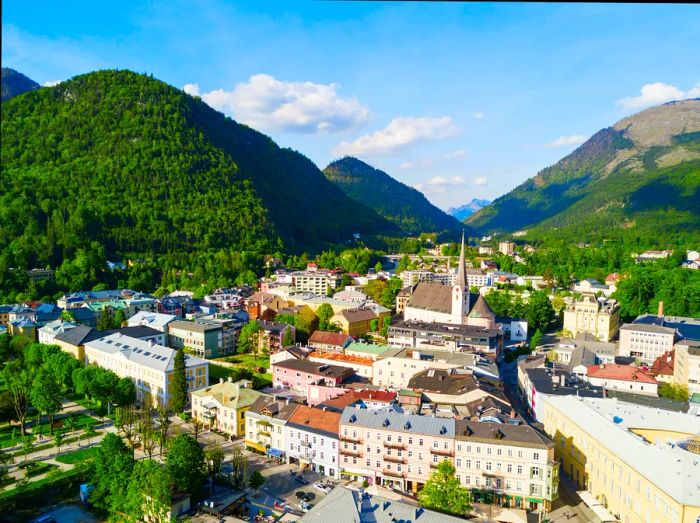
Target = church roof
(437,297)
(461,279)
(481,309)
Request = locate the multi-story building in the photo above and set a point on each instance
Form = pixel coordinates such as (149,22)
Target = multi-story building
(154,320)
(316,281)
(361,365)
(331,341)
(265,425)
(686,370)
(312,439)
(511,464)
(625,378)
(639,463)
(506,248)
(5,315)
(394,449)
(272,335)
(356,322)
(301,375)
(646,342)
(443,336)
(48,333)
(223,406)
(453,387)
(396,367)
(203,338)
(599,317)
(148,365)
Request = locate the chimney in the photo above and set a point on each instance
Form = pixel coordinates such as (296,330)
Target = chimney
(660,314)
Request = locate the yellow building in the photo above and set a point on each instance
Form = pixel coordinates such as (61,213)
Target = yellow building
(223,406)
(599,317)
(686,367)
(641,463)
(357,322)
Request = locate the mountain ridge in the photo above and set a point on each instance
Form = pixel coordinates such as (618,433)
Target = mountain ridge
(13,83)
(462,212)
(402,205)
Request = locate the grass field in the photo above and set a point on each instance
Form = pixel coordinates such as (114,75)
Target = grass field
(78,456)
(248,360)
(217,372)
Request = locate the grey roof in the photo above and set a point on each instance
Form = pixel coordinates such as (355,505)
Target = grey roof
(649,401)
(79,336)
(273,326)
(395,419)
(446,328)
(343,505)
(194,326)
(687,327)
(142,352)
(541,378)
(280,409)
(452,358)
(137,331)
(312,367)
(82,314)
(481,309)
(643,327)
(501,432)
(443,382)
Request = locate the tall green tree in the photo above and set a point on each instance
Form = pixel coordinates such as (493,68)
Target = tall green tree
(444,493)
(19,383)
(539,311)
(113,468)
(178,387)
(324,314)
(46,394)
(213,457)
(148,496)
(248,337)
(185,463)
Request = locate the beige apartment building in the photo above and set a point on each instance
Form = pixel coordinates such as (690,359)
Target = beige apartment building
(599,317)
(634,464)
(396,367)
(393,449)
(646,342)
(512,464)
(149,366)
(686,370)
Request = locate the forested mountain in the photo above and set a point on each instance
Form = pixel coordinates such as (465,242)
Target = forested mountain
(465,211)
(395,201)
(14,83)
(640,177)
(120,164)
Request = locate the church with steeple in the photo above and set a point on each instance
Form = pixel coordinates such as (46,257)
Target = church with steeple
(437,303)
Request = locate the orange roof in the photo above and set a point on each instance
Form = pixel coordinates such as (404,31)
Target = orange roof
(339,356)
(619,372)
(664,364)
(319,419)
(375,395)
(342,401)
(329,338)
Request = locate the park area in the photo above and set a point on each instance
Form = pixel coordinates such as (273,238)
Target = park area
(241,366)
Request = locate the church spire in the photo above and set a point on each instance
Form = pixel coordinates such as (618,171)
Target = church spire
(461,280)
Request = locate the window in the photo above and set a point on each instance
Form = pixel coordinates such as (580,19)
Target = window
(520,469)
(435,459)
(536,456)
(488,465)
(478,464)
(509,467)
(468,463)
(459,462)
(420,442)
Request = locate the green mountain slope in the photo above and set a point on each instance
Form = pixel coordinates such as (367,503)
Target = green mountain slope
(14,83)
(639,177)
(395,201)
(139,166)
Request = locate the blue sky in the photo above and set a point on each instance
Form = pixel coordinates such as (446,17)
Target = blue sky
(460,100)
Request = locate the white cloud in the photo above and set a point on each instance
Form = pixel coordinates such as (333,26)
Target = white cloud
(459,153)
(440,181)
(400,133)
(694,92)
(263,102)
(478,115)
(418,164)
(51,83)
(481,181)
(652,94)
(567,141)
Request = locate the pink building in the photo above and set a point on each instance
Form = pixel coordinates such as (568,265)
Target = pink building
(317,381)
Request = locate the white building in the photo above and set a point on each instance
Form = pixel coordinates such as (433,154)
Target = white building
(265,425)
(625,378)
(150,366)
(48,333)
(312,439)
(646,342)
(154,320)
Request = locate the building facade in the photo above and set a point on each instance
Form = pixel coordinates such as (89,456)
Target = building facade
(265,425)
(686,370)
(646,342)
(203,338)
(312,439)
(599,317)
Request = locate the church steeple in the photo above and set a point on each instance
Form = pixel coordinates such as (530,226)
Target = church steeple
(460,291)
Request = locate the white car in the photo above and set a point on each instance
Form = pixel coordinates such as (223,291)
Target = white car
(323,488)
(305,506)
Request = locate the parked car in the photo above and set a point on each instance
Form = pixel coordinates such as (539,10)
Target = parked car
(305,506)
(304,496)
(301,479)
(323,487)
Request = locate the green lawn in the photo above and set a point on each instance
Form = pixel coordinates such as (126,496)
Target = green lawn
(36,468)
(248,360)
(78,456)
(6,435)
(217,372)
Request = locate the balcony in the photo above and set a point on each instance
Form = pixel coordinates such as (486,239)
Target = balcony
(442,452)
(393,473)
(395,445)
(394,459)
(306,444)
(351,439)
(350,452)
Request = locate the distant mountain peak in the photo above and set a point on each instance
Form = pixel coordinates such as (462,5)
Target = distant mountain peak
(15,83)
(465,211)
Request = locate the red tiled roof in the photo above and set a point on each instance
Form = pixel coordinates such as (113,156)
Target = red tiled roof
(664,364)
(327,421)
(329,338)
(375,395)
(338,356)
(619,372)
(342,401)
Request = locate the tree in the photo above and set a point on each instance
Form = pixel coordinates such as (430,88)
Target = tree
(125,392)
(58,439)
(535,340)
(196,427)
(674,391)
(324,314)
(126,421)
(539,311)
(288,338)
(19,382)
(119,319)
(377,267)
(71,422)
(248,338)
(239,464)
(178,392)
(46,394)
(374,325)
(444,493)
(148,496)
(146,431)
(163,424)
(185,463)
(90,431)
(213,457)
(256,480)
(113,468)
(106,319)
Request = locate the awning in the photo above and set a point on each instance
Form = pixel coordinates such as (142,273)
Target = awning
(596,506)
(275,453)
